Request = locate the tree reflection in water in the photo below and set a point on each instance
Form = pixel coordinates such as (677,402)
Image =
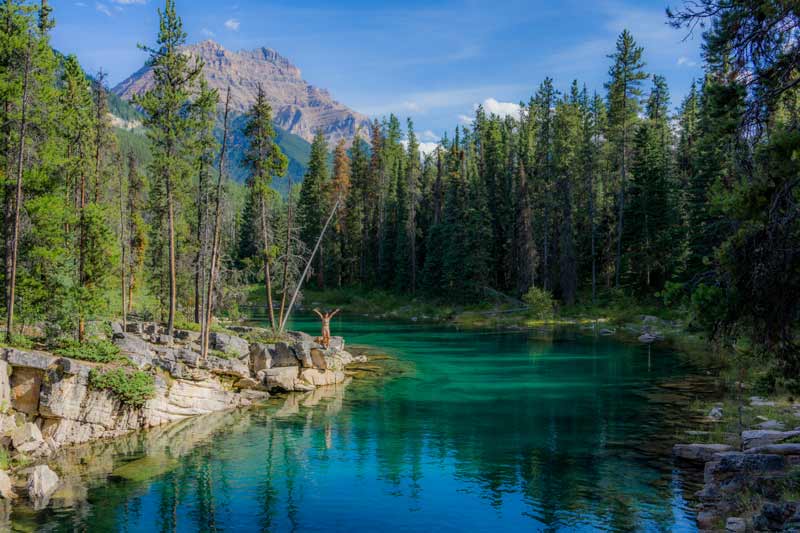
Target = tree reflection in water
(481,432)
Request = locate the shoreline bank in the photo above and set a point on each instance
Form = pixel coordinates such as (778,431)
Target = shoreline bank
(50,402)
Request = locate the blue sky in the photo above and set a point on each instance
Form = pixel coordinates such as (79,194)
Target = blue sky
(430,60)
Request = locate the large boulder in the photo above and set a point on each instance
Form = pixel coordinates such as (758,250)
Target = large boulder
(228,367)
(318,359)
(337,343)
(774,516)
(185,335)
(283,356)
(27,438)
(302,350)
(230,344)
(700,453)
(188,357)
(42,483)
(731,472)
(762,437)
(321,377)
(134,327)
(29,359)
(250,384)
(777,449)
(260,356)
(283,378)
(134,347)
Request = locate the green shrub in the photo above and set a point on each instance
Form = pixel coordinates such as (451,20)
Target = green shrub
(20,341)
(708,307)
(540,302)
(97,351)
(131,387)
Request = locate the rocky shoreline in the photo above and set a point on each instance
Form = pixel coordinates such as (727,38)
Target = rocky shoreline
(751,482)
(48,402)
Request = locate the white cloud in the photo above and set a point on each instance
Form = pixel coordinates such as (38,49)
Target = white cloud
(465,120)
(428,135)
(501,109)
(208,33)
(428,147)
(232,24)
(102,8)
(425,148)
(683,60)
(426,101)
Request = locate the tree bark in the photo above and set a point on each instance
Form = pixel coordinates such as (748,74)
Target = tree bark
(209,303)
(308,265)
(12,282)
(285,287)
(267,273)
(123,249)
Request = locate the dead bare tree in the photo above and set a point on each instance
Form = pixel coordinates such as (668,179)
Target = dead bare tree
(297,288)
(205,325)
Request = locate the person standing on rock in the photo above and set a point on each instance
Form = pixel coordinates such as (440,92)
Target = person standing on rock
(326,326)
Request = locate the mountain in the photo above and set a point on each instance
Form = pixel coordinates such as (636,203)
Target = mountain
(128,121)
(299,107)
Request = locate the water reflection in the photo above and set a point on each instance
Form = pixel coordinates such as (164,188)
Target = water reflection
(482,432)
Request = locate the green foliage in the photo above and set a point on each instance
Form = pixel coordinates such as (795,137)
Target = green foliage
(131,387)
(19,341)
(97,351)
(540,302)
(708,307)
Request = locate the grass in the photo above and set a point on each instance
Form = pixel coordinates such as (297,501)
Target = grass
(131,387)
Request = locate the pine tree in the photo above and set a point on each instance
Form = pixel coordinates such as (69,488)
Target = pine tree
(407,198)
(205,145)
(136,234)
(265,160)
(624,91)
(339,189)
(357,209)
(312,205)
(175,77)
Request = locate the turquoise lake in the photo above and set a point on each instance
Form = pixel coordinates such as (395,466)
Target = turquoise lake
(472,431)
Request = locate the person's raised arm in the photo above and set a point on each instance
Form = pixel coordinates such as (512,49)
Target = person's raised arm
(334,313)
(319,314)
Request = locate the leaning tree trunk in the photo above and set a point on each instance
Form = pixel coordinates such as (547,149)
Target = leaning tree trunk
(308,266)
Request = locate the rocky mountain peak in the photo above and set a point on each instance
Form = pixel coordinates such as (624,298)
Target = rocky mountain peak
(298,106)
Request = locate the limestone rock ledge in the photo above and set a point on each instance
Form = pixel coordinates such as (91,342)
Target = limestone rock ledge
(46,401)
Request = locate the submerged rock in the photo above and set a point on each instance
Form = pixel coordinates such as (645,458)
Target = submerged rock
(42,483)
(735,525)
